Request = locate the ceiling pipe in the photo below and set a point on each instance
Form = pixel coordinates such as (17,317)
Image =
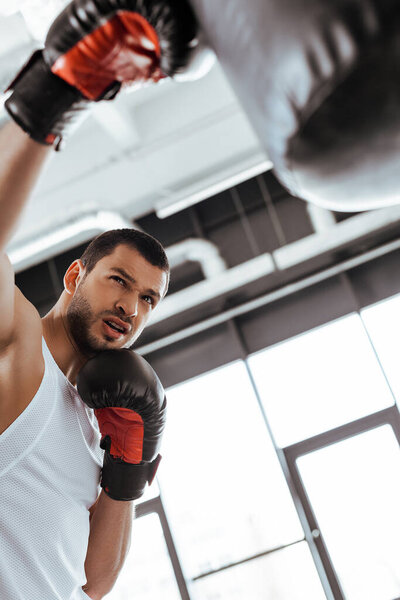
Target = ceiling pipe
(197,250)
(72,233)
(209,289)
(321,218)
(243,168)
(78,231)
(336,236)
(333,238)
(268,298)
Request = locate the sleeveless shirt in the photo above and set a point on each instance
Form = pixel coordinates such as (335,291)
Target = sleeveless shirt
(50,463)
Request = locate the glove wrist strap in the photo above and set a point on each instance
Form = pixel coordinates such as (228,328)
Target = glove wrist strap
(127,481)
(42,104)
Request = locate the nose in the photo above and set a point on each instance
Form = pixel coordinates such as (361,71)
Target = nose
(128,305)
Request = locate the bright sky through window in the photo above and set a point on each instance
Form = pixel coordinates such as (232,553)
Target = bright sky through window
(319,380)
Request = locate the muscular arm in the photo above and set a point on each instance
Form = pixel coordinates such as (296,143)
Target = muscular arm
(21,160)
(109,542)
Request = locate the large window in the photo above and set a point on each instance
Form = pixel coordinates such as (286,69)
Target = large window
(221,482)
(382,321)
(288,574)
(307,512)
(147,573)
(320,380)
(354,489)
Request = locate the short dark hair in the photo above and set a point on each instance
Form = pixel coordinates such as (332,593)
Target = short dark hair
(105,244)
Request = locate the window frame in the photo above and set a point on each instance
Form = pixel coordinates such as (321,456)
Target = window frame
(388,416)
(155,505)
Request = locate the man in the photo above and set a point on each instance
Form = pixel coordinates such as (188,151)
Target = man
(49,440)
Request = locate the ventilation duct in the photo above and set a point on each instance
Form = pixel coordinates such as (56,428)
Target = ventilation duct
(219,280)
(327,240)
(78,231)
(197,250)
(73,233)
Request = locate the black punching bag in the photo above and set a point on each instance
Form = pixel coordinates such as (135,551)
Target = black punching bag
(320,83)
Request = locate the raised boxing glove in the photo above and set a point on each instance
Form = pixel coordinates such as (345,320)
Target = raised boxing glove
(130,406)
(91,49)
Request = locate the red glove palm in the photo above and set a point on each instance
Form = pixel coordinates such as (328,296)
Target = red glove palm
(124,427)
(124,49)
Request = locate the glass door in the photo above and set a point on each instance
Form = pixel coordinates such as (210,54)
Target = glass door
(350,486)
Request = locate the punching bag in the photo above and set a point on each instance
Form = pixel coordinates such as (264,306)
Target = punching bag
(320,83)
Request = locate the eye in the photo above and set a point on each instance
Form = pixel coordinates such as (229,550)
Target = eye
(148,299)
(118,279)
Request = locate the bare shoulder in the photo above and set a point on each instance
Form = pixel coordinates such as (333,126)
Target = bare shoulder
(21,361)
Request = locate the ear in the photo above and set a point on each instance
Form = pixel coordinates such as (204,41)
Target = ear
(73,276)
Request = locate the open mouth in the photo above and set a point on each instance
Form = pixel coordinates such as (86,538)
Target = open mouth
(115,327)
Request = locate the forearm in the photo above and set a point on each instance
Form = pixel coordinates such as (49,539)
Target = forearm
(21,160)
(109,542)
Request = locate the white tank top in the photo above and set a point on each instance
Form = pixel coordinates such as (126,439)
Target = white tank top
(49,477)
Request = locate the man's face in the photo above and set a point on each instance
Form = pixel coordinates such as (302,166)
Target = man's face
(113,303)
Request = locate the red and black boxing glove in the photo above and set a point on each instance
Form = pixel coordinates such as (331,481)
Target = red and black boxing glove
(91,49)
(130,406)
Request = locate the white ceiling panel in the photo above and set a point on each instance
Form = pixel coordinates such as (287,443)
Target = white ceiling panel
(146,148)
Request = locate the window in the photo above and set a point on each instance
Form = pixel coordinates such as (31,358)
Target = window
(383,324)
(320,380)
(222,486)
(147,573)
(229,509)
(288,574)
(354,489)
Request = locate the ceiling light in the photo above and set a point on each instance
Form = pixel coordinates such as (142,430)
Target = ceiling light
(212,185)
(31,252)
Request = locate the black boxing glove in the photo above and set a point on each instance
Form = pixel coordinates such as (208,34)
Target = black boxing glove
(130,407)
(90,50)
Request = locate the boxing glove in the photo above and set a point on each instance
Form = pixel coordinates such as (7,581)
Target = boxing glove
(91,49)
(130,406)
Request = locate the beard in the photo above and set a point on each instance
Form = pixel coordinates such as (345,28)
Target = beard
(80,317)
